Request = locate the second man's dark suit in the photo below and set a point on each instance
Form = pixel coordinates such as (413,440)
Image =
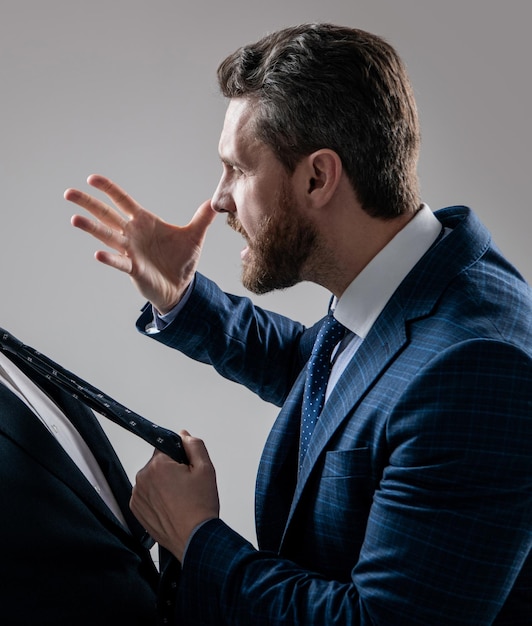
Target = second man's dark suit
(66,559)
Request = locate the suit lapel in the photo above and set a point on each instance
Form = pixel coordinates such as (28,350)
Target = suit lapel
(415,298)
(279,487)
(90,429)
(277,474)
(20,424)
(384,341)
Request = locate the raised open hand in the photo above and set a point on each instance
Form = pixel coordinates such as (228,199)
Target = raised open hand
(160,258)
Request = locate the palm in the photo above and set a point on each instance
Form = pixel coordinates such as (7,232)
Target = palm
(160,258)
(163,258)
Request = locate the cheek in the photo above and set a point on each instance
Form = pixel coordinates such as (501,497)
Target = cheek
(248,213)
(247,226)
(255,201)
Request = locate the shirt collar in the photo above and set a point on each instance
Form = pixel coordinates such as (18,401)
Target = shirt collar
(365,298)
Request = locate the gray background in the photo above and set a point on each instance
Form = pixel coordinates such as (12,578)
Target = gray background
(127,88)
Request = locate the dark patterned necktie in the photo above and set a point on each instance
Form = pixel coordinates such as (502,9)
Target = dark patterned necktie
(161,438)
(318,370)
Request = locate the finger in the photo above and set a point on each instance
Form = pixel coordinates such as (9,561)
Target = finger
(141,509)
(117,261)
(102,232)
(202,219)
(195,449)
(101,211)
(156,453)
(120,197)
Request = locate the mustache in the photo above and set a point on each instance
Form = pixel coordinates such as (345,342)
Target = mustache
(234,223)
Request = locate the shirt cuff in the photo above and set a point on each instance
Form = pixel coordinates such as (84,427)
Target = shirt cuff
(160,322)
(194,531)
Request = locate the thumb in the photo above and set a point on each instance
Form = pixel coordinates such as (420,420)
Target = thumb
(201,220)
(195,449)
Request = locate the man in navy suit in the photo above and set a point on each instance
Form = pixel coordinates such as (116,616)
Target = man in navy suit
(412,503)
(72,551)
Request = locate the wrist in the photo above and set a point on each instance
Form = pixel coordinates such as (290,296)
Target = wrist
(183,550)
(168,312)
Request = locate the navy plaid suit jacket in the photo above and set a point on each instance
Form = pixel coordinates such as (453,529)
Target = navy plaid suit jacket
(414,504)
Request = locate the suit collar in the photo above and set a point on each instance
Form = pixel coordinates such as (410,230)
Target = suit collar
(416,297)
(365,298)
(462,248)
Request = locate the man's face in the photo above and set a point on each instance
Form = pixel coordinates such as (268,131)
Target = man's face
(276,255)
(262,205)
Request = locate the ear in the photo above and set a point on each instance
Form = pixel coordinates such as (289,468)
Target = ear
(320,175)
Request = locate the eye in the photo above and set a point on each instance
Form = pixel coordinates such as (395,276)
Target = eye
(231,169)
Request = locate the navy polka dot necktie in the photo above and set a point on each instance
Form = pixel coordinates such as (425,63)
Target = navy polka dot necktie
(318,370)
(161,438)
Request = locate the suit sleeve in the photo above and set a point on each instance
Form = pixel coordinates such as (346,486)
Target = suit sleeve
(449,529)
(262,350)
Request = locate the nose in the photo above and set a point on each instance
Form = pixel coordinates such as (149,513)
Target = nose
(222,201)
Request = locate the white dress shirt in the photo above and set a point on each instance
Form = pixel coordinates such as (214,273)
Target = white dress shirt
(365,298)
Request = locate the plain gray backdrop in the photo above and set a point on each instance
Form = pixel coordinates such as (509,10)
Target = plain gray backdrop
(127,88)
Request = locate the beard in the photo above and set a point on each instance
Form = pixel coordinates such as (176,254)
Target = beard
(281,250)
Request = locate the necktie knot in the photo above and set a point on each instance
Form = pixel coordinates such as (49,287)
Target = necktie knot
(318,370)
